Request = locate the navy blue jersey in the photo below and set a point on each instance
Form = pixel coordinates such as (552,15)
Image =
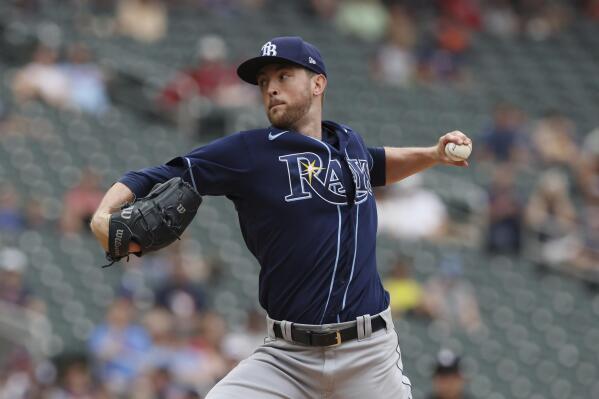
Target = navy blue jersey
(306,211)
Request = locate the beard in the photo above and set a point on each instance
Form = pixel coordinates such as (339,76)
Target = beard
(288,117)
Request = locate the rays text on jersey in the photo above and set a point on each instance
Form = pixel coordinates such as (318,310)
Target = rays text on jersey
(309,175)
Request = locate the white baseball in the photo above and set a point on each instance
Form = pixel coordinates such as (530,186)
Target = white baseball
(457,152)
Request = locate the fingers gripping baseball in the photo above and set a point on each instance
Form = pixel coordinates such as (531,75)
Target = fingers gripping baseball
(454,148)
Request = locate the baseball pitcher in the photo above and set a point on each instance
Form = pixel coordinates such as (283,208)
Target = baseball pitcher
(302,188)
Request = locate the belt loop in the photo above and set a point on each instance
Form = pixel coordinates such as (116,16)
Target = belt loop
(360,327)
(286,330)
(363,327)
(386,315)
(367,326)
(270,323)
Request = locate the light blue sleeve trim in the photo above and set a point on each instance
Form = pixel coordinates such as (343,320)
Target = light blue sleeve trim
(191,173)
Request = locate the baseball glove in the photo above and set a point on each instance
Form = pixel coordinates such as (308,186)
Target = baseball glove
(154,221)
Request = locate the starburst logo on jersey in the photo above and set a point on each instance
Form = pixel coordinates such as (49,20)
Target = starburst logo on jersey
(310,170)
(308,175)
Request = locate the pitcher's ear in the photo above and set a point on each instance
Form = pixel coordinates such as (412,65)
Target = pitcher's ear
(320,85)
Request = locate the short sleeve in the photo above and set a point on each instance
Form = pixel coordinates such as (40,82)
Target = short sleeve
(214,169)
(140,182)
(218,168)
(378,170)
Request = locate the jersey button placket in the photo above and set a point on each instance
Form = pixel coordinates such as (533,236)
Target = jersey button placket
(351,199)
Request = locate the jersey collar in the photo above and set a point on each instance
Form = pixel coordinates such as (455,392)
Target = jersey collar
(342,132)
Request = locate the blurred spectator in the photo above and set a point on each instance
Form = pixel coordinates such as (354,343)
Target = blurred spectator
(241,343)
(11,216)
(181,295)
(209,339)
(80,202)
(13,263)
(213,77)
(3,114)
(504,140)
(452,36)
(35,215)
(441,57)
(190,362)
(42,79)
(551,219)
(159,384)
(409,211)
(18,124)
(592,9)
(554,140)
(206,91)
(18,377)
(406,293)
(324,9)
(543,19)
(142,274)
(78,83)
(160,325)
(464,12)
(364,19)
(591,142)
(448,380)
(500,19)
(13,289)
(86,81)
(588,169)
(451,298)
(141,278)
(588,257)
(118,346)
(402,29)
(76,382)
(505,213)
(394,63)
(142,20)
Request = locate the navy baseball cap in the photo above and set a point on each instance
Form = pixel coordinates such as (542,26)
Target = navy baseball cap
(447,363)
(290,49)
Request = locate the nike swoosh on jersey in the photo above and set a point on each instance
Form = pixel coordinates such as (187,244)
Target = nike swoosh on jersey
(271,136)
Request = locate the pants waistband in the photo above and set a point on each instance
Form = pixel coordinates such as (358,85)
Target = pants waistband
(362,323)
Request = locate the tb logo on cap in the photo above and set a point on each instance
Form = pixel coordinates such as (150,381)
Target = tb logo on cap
(269,49)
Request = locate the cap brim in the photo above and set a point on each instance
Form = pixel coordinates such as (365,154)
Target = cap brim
(447,370)
(248,70)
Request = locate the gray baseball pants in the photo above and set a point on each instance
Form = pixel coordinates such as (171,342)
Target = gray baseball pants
(368,367)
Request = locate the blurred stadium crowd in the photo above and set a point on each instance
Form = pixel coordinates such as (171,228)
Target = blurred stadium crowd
(85,82)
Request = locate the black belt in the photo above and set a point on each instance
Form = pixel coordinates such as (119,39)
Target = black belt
(329,338)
